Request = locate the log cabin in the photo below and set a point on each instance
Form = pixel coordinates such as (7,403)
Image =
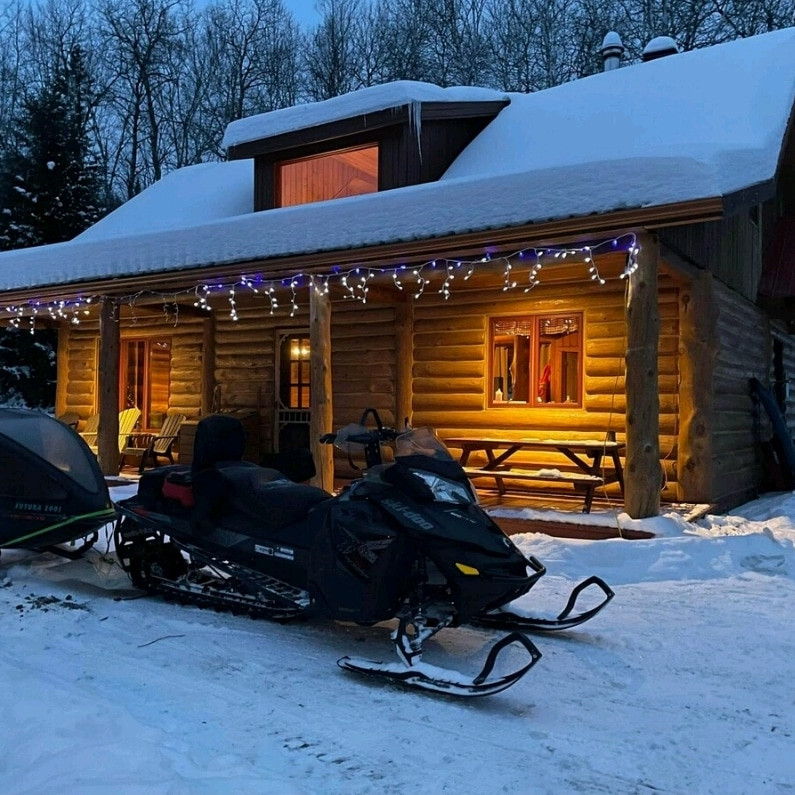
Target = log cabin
(611,257)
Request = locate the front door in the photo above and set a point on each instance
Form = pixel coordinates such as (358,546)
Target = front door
(292,390)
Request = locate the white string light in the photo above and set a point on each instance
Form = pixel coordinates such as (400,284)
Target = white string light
(354,281)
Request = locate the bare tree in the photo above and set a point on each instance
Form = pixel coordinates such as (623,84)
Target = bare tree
(691,23)
(139,38)
(404,29)
(250,52)
(459,42)
(542,43)
(332,52)
(51,30)
(12,78)
(750,17)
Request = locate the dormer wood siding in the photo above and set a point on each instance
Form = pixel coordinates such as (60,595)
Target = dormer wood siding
(406,156)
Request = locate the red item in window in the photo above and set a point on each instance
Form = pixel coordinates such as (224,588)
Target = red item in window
(543,384)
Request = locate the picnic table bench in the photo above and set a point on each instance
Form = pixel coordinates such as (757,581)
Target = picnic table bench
(587,454)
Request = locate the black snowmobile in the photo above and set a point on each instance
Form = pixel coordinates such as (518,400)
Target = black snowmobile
(53,496)
(407,541)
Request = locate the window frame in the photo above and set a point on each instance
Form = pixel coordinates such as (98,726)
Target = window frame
(534,368)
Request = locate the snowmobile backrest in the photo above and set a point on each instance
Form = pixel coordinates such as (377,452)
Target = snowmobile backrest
(219,437)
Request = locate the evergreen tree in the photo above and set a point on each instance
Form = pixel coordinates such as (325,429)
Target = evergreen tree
(28,367)
(50,187)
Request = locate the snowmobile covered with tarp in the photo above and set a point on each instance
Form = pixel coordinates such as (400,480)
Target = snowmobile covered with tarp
(405,542)
(53,496)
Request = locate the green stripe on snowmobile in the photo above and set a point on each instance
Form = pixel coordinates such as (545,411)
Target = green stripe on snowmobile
(109,513)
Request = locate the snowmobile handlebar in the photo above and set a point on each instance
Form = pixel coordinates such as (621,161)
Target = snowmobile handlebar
(365,435)
(370,439)
(365,438)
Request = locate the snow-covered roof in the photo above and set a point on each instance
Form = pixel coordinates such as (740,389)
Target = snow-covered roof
(357,103)
(188,194)
(725,107)
(690,126)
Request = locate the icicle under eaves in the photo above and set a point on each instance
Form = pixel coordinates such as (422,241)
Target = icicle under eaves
(415,123)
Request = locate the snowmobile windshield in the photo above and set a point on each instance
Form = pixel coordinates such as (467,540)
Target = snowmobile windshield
(53,442)
(422,441)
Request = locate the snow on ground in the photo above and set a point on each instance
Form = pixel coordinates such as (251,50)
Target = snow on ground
(683,684)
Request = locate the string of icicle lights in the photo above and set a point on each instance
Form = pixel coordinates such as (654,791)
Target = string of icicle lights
(522,269)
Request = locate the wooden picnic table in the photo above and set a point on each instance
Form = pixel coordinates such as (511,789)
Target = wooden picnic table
(588,454)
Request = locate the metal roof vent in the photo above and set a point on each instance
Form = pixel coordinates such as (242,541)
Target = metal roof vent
(611,51)
(659,47)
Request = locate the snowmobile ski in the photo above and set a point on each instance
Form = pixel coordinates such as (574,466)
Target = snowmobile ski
(510,620)
(423,676)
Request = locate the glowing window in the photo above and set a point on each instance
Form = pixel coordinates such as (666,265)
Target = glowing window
(334,175)
(536,360)
(294,387)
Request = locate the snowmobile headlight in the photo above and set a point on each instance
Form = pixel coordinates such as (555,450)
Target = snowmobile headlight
(464,569)
(445,490)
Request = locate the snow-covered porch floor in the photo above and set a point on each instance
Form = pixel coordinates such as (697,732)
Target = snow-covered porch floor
(562,517)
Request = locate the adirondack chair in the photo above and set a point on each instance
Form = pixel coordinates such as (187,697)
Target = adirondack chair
(91,428)
(156,446)
(70,418)
(127,420)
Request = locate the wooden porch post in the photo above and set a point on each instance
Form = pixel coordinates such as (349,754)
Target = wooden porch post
(697,354)
(320,403)
(108,397)
(404,344)
(642,474)
(61,365)
(208,365)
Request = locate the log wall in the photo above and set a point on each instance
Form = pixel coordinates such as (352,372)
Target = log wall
(451,367)
(744,350)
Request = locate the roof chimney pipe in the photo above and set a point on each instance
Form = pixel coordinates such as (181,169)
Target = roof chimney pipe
(611,51)
(659,47)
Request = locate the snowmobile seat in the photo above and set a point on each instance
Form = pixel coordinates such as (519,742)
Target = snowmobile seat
(229,490)
(267,497)
(298,465)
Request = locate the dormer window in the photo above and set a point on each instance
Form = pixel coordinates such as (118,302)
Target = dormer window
(376,139)
(330,175)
